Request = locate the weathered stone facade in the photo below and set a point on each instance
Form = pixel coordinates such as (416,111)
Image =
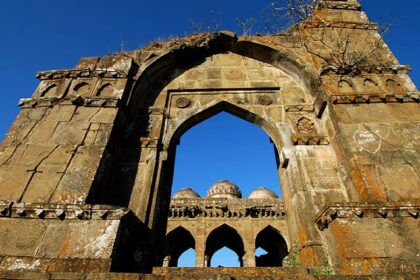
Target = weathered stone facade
(86,168)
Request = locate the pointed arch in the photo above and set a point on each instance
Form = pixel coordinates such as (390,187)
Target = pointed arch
(224,236)
(177,242)
(161,70)
(212,110)
(270,240)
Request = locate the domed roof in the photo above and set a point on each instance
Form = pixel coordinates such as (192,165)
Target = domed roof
(224,189)
(262,192)
(186,193)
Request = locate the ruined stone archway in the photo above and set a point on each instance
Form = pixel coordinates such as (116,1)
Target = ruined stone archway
(253,90)
(88,166)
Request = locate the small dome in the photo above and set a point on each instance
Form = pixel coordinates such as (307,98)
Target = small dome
(224,189)
(261,193)
(186,193)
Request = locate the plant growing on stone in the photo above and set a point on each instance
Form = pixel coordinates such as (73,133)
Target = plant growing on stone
(342,51)
(281,16)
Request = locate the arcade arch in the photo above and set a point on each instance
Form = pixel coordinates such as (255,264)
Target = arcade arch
(224,236)
(272,242)
(176,243)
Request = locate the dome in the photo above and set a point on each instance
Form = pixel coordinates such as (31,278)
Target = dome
(261,193)
(224,189)
(186,193)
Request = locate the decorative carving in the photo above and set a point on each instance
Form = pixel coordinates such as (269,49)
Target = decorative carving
(359,211)
(370,69)
(11,209)
(50,90)
(339,5)
(376,98)
(182,102)
(306,127)
(71,100)
(369,83)
(299,108)
(309,140)
(85,73)
(265,100)
(215,208)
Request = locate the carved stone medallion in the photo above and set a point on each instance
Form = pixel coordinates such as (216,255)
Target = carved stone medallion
(306,126)
(265,100)
(182,102)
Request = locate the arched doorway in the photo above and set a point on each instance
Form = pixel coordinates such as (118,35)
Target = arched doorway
(224,236)
(176,243)
(274,245)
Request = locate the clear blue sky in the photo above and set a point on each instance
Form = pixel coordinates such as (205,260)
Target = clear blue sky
(49,34)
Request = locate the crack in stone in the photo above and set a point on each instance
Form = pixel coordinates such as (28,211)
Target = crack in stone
(75,150)
(35,170)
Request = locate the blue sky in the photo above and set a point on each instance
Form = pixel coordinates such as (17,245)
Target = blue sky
(48,34)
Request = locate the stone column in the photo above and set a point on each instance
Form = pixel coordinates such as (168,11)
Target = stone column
(166,261)
(200,251)
(248,259)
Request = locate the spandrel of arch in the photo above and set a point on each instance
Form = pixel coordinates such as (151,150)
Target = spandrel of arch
(369,83)
(105,90)
(191,57)
(345,86)
(393,86)
(177,242)
(224,236)
(271,241)
(81,88)
(50,91)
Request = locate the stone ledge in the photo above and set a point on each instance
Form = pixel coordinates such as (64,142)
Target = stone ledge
(231,272)
(299,108)
(359,211)
(343,25)
(339,5)
(81,73)
(300,139)
(12,209)
(78,100)
(368,69)
(376,98)
(227,208)
(33,264)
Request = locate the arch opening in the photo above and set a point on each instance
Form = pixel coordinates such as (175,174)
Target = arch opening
(274,248)
(225,257)
(225,147)
(187,258)
(177,243)
(224,236)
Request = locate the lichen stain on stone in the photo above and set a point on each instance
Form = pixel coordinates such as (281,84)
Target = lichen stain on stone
(19,264)
(103,244)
